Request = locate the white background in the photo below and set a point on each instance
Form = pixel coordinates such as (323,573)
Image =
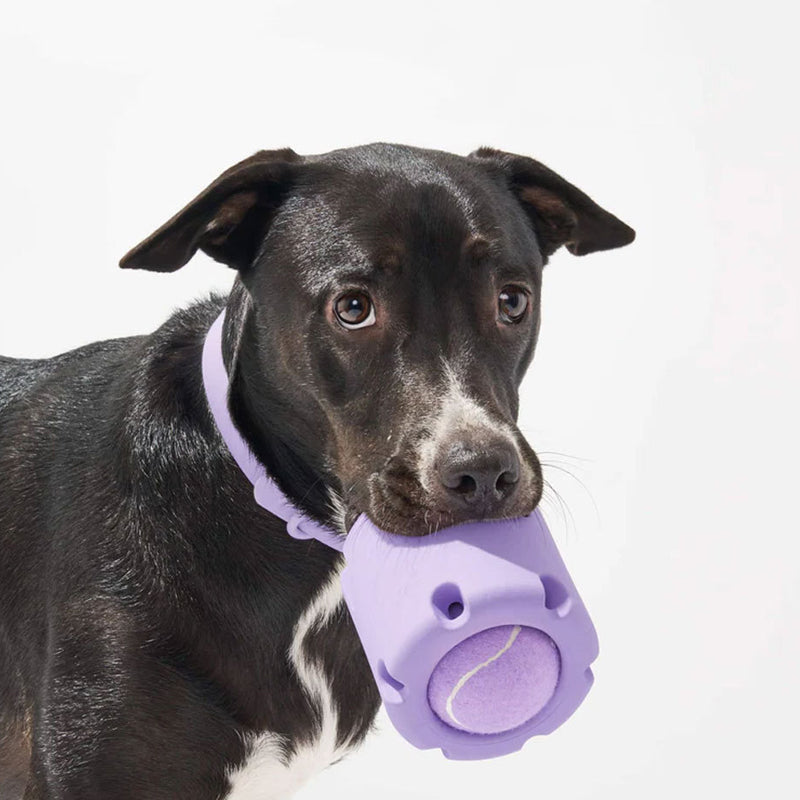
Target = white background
(667,377)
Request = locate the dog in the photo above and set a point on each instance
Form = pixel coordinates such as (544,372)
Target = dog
(161,636)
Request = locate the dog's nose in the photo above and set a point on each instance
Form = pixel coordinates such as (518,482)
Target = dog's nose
(481,480)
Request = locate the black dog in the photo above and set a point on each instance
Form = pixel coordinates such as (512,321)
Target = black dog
(161,636)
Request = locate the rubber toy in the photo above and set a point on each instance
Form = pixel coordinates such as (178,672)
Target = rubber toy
(475,634)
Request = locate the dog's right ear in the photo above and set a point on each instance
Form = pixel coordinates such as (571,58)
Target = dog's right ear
(227,220)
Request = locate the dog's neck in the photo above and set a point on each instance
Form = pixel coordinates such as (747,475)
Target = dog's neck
(267,422)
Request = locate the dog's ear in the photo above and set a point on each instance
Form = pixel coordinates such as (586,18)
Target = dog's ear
(560,212)
(227,220)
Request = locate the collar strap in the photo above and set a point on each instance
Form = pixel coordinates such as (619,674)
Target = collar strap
(266,492)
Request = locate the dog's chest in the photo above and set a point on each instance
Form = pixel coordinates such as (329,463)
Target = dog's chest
(267,774)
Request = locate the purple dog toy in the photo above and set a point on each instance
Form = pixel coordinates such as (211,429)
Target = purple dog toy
(475,634)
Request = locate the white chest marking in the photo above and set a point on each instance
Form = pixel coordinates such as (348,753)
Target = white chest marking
(266,775)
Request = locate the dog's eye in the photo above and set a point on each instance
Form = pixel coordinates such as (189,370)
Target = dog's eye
(512,304)
(354,310)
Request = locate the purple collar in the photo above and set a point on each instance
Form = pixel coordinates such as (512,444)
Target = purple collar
(266,492)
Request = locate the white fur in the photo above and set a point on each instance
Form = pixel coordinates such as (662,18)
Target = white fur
(338,511)
(266,775)
(457,411)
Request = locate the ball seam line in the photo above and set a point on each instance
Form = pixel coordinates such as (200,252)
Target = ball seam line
(466,676)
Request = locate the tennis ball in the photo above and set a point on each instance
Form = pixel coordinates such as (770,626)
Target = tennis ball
(495,680)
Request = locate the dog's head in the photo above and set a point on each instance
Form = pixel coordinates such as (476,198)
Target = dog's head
(391,307)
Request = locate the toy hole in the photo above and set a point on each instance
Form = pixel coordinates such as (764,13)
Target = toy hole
(455,610)
(448,603)
(391,688)
(556,596)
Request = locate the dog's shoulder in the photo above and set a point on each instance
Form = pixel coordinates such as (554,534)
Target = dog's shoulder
(19,376)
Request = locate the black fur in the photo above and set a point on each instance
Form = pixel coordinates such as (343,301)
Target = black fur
(147,604)
(153,602)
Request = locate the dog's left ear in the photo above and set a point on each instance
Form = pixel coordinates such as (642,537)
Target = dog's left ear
(227,220)
(560,212)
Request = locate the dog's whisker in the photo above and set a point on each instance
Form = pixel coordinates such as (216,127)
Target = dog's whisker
(564,455)
(562,507)
(579,481)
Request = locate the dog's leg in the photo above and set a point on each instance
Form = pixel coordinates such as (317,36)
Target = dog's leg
(117,720)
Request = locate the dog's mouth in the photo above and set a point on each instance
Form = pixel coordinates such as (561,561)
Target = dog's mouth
(396,501)
(399,505)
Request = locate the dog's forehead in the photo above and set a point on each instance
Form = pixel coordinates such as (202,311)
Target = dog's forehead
(368,208)
(385,180)
(415,164)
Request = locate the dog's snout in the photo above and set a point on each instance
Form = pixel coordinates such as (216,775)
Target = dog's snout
(483,480)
